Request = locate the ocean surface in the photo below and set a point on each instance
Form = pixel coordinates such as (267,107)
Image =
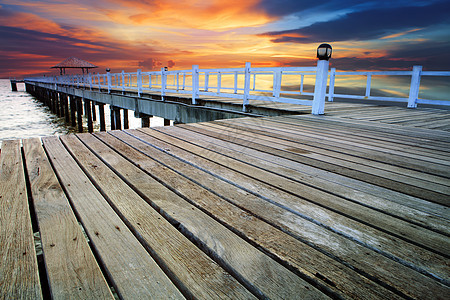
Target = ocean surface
(22,116)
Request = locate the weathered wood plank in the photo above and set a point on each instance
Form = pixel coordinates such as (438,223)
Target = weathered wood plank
(355,185)
(420,133)
(324,181)
(395,226)
(422,149)
(19,277)
(71,267)
(363,163)
(301,138)
(132,271)
(269,188)
(191,269)
(252,266)
(283,246)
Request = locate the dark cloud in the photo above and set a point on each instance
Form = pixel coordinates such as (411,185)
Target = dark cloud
(367,25)
(28,50)
(151,63)
(170,63)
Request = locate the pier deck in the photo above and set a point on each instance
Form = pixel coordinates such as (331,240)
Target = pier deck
(290,207)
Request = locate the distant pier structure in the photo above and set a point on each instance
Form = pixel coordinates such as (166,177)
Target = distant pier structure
(14,83)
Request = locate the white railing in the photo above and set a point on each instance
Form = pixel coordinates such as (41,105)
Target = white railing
(413,97)
(239,83)
(247,84)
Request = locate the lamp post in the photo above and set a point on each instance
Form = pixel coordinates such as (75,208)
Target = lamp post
(108,78)
(320,89)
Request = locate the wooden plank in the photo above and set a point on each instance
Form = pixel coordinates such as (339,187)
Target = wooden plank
(323,181)
(191,269)
(301,139)
(404,184)
(387,143)
(249,264)
(19,277)
(341,158)
(132,271)
(399,198)
(362,213)
(71,267)
(244,176)
(369,135)
(283,246)
(425,134)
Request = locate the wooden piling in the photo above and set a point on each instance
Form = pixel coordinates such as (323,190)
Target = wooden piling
(66,107)
(126,124)
(79,114)
(112,118)
(88,110)
(145,120)
(13,86)
(117,119)
(73,109)
(101,111)
(94,113)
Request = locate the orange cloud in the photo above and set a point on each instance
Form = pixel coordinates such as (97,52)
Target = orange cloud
(391,36)
(216,15)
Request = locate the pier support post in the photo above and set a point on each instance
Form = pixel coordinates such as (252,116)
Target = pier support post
(73,109)
(66,106)
(94,113)
(117,118)
(145,121)
(126,124)
(79,114)
(13,86)
(101,111)
(112,117)
(89,115)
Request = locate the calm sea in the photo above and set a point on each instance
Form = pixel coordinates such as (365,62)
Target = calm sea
(22,116)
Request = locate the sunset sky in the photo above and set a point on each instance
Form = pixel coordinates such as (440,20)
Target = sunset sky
(148,34)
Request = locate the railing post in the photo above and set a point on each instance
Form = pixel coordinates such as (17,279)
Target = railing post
(368,85)
(163,82)
(178,81)
(320,87)
(206,81)
(415,85)
(331,88)
(108,78)
(277,76)
(219,82)
(245,101)
(123,82)
(194,83)
(139,82)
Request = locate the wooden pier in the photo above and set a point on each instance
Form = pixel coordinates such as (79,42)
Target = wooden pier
(350,205)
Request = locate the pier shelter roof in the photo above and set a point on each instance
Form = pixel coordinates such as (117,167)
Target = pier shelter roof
(74,63)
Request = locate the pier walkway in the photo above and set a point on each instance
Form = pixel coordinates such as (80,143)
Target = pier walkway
(351,205)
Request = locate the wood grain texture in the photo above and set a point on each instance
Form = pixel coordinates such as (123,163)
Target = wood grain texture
(131,269)
(19,277)
(191,269)
(71,267)
(259,272)
(345,226)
